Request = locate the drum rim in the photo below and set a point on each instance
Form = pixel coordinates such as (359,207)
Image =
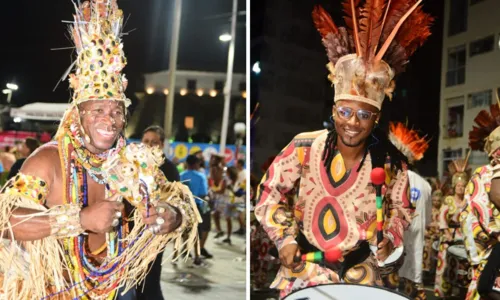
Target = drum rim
(356,284)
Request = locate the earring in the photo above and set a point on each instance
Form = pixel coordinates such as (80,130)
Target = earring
(87,139)
(331,119)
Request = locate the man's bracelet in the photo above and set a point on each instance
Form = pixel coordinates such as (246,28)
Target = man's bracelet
(65,221)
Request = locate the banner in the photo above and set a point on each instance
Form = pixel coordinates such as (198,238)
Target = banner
(9,138)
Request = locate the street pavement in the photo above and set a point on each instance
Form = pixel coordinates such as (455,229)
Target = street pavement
(224,278)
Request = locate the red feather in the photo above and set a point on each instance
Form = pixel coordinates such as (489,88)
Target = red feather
(487,122)
(395,11)
(370,25)
(414,31)
(323,21)
(351,20)
(348,14)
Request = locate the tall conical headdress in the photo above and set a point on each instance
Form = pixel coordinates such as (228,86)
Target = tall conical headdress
(96,33)
(459,170)
(380,37)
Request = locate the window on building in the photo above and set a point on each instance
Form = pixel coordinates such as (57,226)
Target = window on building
(191,84)
(456,66)
(450,155)
(472,2)
(482,45)
(479,99)
(458,17)
(219,85)
(455,117)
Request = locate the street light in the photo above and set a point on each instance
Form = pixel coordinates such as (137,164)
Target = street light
(165,92)
(256,68)
(213,93)
(150,90)
(226,37)
(12,86)
(183,92)
(199,92)
(239,131)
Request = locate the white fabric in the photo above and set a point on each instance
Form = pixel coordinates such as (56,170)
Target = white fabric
(414,236)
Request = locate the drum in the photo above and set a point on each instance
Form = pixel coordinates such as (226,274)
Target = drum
(458,270)
(341,291)
(392,263)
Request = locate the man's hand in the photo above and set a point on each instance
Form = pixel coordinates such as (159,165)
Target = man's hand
(99,217)
(287,254)
(385,249)
(162,219)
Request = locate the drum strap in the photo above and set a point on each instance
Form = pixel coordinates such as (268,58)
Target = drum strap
(489,274)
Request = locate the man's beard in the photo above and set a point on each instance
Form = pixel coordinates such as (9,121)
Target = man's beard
(350,144)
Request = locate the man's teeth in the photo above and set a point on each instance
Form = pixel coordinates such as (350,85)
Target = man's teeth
(105,132)
(351,132)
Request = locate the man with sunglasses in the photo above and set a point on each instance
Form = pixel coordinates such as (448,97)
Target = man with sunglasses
(335,214)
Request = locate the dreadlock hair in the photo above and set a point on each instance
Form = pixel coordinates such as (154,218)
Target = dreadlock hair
(384,150)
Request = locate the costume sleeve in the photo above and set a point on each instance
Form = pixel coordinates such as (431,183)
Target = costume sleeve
(399,208)
(272,210)
(475,238)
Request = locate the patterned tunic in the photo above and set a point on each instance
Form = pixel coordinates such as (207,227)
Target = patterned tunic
(335,209)
(480,224)
(448,222)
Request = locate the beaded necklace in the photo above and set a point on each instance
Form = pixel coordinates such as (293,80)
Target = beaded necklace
(86,276)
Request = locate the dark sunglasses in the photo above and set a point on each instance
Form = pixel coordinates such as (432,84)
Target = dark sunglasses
(347,113)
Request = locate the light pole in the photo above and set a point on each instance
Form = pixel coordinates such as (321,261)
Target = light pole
(174,47)
(229,79)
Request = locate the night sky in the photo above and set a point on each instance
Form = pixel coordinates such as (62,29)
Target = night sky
(418,103)
(32,28)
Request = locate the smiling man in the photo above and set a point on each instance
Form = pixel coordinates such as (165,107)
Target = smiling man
(336,211)
(65,229)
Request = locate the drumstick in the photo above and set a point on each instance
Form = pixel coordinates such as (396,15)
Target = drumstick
(378,178)
(330,256)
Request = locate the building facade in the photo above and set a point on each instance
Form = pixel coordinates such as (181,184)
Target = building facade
(198,105)
(470,76)
(292,84)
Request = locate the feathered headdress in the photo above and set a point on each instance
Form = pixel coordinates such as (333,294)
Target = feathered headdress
(458,170)
(380,37)
(486,135)
(96,33)
(408,141)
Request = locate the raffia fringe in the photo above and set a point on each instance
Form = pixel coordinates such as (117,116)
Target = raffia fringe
(25,265)
(147,246)
(28,268)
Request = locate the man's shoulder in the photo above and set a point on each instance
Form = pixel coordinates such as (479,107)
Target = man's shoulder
(44,155)
(305,139)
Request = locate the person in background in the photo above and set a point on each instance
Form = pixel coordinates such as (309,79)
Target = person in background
(29,146)
(154,136)
(198,184)
(199,154)
(240,191)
